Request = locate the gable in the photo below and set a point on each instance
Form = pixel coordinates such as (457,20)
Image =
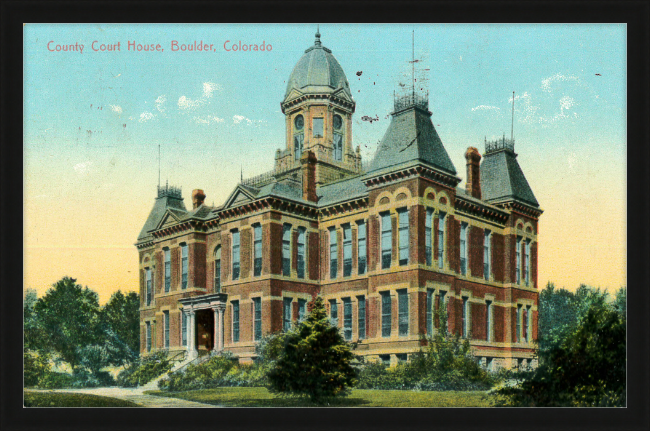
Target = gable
(168,219)
(239,196)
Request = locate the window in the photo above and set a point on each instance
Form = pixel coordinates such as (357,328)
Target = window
(298,140)
(334,313)
(286,250)
(338,147)
(183,266)
(489,364)
(333,253)
(488,320)
(235,321)
(235,255)
(183,329)
(428,238)
(302,309)
(302,232)
(347,250)
(286,314)
(361,248)
(385,314)
(385,359)
(257,250)
(257,319)
(386,241)
(403,237)
(347,318)
(527,262)
(518,328)
(318,127)
(463,248)
(403,309)
(442,308)
(401,357)
(148,336)
(487,253)
(168,269)
(148,278)
(441,239)
(529,323)
(518,261)
(361,323)
(166,323)
(429,312)
(465,317)
(217,269)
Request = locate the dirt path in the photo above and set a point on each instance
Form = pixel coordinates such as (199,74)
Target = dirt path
(135,395)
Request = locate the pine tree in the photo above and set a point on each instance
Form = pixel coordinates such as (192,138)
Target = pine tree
(315,361)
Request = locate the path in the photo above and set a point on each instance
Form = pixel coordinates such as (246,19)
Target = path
(135,395)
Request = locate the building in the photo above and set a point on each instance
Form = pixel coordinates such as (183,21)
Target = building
(388,245)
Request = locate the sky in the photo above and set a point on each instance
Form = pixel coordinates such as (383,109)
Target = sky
(94,122)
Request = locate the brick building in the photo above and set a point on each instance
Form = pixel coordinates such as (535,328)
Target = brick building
(388,245)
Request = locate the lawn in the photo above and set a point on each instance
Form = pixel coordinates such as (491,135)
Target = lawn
(52,399)
(261,397)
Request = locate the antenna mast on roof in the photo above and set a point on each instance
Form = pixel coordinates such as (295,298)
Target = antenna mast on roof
(512,125)
(413,64)
(158,165)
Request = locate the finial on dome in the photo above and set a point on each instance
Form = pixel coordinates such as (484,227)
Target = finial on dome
(317,41)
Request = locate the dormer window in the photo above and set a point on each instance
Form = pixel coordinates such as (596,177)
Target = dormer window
(318,127)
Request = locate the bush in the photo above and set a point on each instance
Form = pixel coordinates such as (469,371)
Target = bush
(36,366)
(145,370)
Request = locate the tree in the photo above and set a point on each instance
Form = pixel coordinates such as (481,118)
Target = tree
(69,315)
(120,322)
(315,361)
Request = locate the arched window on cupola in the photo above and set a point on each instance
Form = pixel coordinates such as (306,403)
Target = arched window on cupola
(298,136)
(338,137)
(217,269)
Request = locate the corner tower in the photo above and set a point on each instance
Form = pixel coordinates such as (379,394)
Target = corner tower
(318,107)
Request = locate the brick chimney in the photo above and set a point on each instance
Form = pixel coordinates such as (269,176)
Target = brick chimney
(308,167)
(473,180)
(197,198)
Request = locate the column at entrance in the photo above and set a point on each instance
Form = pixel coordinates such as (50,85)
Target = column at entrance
(192,352)
(219,311)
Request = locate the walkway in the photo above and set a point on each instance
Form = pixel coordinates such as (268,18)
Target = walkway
(135,395)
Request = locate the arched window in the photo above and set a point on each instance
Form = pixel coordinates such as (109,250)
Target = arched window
(217,269)
(338,137)
(298,136)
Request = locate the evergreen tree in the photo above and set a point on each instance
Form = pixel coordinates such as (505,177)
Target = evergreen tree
(315,361)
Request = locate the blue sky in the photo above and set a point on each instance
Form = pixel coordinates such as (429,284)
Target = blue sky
(93,120)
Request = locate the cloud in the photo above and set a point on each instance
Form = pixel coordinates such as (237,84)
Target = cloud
(116,108)
(186,103)
(209,88)
(208,119)
(160,102)
(558,77)
(82,168)
(486,108)
(146,116)
(239,118)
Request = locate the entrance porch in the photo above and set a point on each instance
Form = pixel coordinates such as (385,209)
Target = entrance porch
(205,328)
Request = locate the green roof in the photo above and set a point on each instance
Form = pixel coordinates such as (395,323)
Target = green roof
(158,211)
(503,180)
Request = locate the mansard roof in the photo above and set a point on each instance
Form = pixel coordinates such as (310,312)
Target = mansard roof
(341,191)
(165,201)
(502,179)
(411,138)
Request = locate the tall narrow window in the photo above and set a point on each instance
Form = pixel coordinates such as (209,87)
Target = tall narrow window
(235,255)
(487,253)
(148,336)
(441,239)
(286,314)
(257,319)
(257,250)
(217,269)
(286,250)
(298,136)
(183,329)
(334,313)
(338,137)
(386,240)
(318,127)
(465,317)
(300,265)
(463,248)
(184,266)
(403,236)
(166,323)
(403,308)
(302,309)
(347,250)
(347,318)
(488,320)
(148,277)
(333,253)
(518,261)
(235,321)
(361,248)
(428,236)
(385,314)
(518,327)
(168,269)
(429,312)
(529,323)
(527,263)
(361,322)
(442,311)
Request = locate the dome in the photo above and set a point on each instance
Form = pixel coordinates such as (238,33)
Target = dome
(318,71)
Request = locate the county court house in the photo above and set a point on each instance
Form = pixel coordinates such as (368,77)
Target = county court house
(388,244)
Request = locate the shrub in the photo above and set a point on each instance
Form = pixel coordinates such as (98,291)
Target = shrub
(145,370)
(36,366)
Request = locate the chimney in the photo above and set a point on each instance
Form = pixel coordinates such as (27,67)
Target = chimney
(197,198)
(308,167)
(473,180)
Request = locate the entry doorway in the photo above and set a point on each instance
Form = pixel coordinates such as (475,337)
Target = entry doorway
(204,331)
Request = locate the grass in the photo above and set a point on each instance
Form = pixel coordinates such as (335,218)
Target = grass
(261,397)
(52,399)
